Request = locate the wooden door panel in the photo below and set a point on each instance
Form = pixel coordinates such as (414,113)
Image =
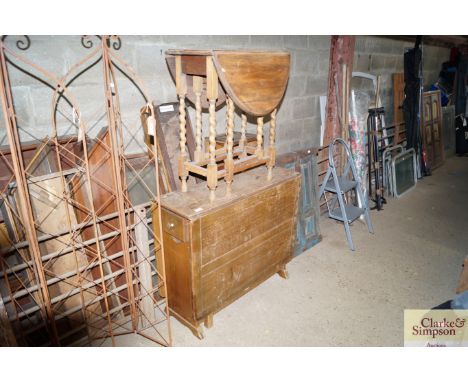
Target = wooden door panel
(432,132)
(398,97)
(307,231)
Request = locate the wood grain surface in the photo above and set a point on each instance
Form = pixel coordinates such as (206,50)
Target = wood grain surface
(216,252)
(256,81)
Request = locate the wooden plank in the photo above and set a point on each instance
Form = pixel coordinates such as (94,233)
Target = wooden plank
(189,52)
(246,163)
(167,124)
(221,139)
(398,97)
(220,155)
(166,174)
(194,168)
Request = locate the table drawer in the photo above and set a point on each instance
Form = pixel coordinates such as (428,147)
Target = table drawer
(174,225)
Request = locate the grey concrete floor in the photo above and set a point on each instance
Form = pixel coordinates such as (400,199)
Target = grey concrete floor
(335,297)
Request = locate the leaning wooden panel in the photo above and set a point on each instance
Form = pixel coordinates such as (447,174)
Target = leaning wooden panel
(398,97)
(167,120)
(217,251)
(432,131)
(309,214)
(307,230)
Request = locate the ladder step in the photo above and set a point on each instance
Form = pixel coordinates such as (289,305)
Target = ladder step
(344,183)
(352,213)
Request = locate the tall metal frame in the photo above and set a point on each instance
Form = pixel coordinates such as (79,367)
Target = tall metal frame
(106,275)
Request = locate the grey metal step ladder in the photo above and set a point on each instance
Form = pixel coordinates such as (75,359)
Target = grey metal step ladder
(339,186)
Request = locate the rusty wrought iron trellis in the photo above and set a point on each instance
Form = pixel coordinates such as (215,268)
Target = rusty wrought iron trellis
(101,273)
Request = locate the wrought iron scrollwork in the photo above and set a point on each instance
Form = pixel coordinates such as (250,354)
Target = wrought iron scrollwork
(23,42)
(87,41)
(112,41)
(116,43)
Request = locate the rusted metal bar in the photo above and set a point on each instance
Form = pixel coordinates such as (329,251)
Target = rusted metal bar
(79,245)
(67,275)
(160,234)
(116,153)
(76,227)
(75,291)
(23,192)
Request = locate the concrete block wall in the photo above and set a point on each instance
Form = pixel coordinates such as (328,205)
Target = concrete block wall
(298,115)
(383,56)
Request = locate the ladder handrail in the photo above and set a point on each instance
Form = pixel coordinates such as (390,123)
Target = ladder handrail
(349,155)
(330,150)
